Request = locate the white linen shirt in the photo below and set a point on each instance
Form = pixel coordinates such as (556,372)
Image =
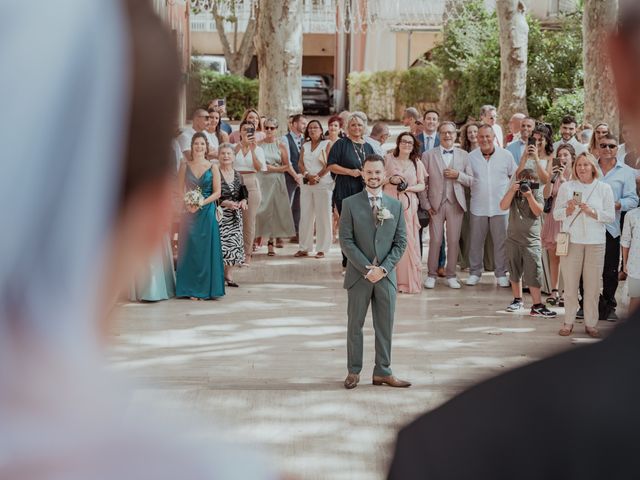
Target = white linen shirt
(187,134)
(244,163)
(573,141)
(586,230)
(631,239)
(490,181)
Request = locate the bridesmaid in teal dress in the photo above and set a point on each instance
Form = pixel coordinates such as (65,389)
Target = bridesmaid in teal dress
(200,273)
(158,282)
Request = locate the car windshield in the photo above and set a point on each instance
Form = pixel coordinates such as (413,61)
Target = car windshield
(312,82)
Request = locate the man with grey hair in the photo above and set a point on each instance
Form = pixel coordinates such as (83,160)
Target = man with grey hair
(489,116)
(514,127)
(410,116)
(572,416)
(379,136)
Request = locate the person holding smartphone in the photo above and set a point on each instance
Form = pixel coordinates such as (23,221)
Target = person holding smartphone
(538,153)
(585,206)
(220,106)
(518,146)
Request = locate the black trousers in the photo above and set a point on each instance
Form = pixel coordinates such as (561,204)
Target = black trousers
(607,302)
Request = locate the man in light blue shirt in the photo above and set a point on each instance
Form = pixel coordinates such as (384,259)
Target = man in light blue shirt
(622,181)
(519,145)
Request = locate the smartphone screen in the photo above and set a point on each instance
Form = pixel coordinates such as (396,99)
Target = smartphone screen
(251,131)
(557,162)
(577,197)
(221,102)
(532,141)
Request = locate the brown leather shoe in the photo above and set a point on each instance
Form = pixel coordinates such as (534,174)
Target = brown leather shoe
(391,381)
(351,381)
(441,273)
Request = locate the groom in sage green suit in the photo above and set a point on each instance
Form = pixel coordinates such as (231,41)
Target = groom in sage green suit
(373,237)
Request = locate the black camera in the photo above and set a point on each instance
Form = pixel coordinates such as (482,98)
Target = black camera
(527,186)
(399,182)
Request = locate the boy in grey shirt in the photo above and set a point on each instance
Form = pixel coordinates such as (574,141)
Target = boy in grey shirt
(523,246)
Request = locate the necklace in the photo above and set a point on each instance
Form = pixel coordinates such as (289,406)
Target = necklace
(360,153)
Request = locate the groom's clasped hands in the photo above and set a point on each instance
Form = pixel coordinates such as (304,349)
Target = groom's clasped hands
(375,273)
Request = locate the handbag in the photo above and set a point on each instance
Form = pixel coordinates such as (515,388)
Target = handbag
(563,238)
(423,217)
(243,193)
(548,203)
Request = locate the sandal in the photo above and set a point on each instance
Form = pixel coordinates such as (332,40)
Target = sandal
(592,332)
(320,255)
(301,253)
(231,283)
(279,243)
(270,251)
(566,330)
(554,299)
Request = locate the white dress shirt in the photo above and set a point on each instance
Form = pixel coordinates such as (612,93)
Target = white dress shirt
(631,239)
(376,145)
(490,181)
(447,156)
(375,199)
(244,163)
(573,141)
(499,135)
(585,229)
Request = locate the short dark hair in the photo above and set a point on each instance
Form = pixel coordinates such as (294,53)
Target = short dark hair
(296,117)
(335,118)
(431,111)
(567,119)
(527,174)
(372,157)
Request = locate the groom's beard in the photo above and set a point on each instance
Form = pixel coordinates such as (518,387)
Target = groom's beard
(374,183)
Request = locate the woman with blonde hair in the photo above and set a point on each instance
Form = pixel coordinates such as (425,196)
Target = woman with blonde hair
(600,131)
(584,206)
(252,116)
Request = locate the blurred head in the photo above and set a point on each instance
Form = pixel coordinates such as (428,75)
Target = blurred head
(356,125)
(528,174)
(527,125)
(469,136)
(380,132)
(373,171)
(408,145)
(334,126)
(608,147)
(410,116)
(486,137)
(430,121)
(226,155)
(448,134)
(252,115)
(488,115)
(544,141)
(213,105)
(200,120)
(568,128)
(567,155)
(624,53)
(245,128)
(515,122)
(313,131)
(214,121)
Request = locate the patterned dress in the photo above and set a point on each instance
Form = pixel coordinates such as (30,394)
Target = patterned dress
(231,223)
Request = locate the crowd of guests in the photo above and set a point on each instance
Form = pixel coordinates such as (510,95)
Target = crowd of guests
(545,217)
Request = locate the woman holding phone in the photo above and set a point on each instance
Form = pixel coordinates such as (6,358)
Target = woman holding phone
(252,116)
(584,206)
(249,160)
(560,172)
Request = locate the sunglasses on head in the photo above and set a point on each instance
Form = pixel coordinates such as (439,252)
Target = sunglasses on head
(610,146)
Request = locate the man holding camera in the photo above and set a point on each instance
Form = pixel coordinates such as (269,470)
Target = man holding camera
(523,245)
(448,172)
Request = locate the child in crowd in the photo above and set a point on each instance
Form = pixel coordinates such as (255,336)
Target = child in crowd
(523,245)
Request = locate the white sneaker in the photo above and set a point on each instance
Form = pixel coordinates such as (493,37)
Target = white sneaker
(453,283)
(472,280)
(430,282)
(504,282)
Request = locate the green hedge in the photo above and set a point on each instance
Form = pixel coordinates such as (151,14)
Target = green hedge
(382,95)
(239,91)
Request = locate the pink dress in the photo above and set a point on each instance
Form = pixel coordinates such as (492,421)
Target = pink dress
(409,268)
(551,227)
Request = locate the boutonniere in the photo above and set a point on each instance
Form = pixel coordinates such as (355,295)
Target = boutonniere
(384,214)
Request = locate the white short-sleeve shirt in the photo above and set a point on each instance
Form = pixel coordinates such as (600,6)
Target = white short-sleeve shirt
(184,140)
(244,163)
(490,181)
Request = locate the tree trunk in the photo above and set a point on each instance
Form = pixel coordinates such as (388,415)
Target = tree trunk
(600,103)
(279,51)
(238,59)
(449,87)
(514,42)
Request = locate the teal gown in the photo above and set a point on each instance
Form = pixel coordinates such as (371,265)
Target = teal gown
(158,282)
(200,271)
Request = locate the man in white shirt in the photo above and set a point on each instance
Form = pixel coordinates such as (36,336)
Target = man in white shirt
(199,123)
(379,136)
(515,123)
(489,116)
(492,168)
(568,128)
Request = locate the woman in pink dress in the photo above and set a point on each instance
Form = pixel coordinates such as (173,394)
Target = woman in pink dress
(550,227)
(405,178)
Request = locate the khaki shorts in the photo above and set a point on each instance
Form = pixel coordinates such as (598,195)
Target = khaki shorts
(525,262)
(633,286)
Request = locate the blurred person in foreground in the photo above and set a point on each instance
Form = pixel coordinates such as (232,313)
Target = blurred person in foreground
(572,416)
(98,202)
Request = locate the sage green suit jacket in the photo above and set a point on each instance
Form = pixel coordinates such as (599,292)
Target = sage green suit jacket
(365,244)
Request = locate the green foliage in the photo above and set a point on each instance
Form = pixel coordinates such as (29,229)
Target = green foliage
(379,94)
(239,91)
(568,104)
(470,56)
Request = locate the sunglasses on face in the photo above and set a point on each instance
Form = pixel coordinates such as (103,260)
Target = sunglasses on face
(610,146)
(270,128)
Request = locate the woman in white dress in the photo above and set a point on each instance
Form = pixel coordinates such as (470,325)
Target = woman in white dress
(315,193)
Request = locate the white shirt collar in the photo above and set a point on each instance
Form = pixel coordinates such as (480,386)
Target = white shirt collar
(379,195)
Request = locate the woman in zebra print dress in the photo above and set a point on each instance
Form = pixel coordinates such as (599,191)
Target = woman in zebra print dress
(231,223)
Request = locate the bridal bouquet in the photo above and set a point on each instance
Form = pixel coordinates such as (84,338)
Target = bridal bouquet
(193,199)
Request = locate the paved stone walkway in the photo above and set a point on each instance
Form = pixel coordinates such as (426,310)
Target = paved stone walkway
(266,362)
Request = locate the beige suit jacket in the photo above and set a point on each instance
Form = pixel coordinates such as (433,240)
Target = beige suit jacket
(433,195)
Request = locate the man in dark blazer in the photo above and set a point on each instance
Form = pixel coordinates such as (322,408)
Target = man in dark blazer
(429,137)
(572,416)
(373,237)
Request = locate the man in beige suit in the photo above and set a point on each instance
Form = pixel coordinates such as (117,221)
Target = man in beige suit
(449,171)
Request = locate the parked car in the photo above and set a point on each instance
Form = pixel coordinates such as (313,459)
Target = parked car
(316,95)
(215,63)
